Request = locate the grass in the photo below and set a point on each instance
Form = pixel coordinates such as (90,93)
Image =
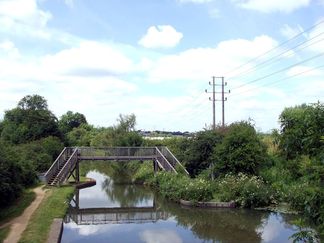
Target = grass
(18,207)
(53,206)
(4,232)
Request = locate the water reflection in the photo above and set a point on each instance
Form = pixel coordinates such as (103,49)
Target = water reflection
(110,212)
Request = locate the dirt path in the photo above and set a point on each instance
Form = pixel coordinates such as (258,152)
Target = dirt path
(19,224)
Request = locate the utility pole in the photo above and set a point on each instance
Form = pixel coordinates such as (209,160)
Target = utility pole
(223,100)
(214,99)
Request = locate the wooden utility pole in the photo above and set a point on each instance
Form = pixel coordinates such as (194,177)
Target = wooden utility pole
(213,84)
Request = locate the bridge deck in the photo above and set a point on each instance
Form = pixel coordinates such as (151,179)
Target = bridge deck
(147,157)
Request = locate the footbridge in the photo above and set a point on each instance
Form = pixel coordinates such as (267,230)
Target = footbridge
(67,163)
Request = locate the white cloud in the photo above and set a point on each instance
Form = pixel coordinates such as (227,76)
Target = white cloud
(160,236)
(23,18)
(268,6)
(9,49)
(200,63)
(289,32)
(304,71)
(161,36)
(90,58)
(195,1)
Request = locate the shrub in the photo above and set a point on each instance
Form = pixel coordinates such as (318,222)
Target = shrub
(246,191)
(309,200)
(176,187)
(240,151)
(144,173)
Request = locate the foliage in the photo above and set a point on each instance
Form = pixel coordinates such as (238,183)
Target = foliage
(200,150)
(29,121)
(176,187)
(53,206)
(71,120)
(4,232)
(121,134)
(144,173)
(301,130)
(82,135)
(240,151)
(17,207)
(245,190)
(304,234)
(309,200)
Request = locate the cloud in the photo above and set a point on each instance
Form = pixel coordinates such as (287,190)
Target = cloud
(200,63)
(273,5)
(289,32)
(23,18)
(195,1)
(89,58)
(304,71)
(160,236)
(9,49)
(161,36)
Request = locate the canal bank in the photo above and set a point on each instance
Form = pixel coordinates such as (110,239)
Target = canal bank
(130,213)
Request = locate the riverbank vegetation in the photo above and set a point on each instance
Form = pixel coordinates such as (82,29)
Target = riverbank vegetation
(53,206)
(231,163)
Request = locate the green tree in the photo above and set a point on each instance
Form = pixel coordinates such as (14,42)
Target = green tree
(200,150)
(71,120)
(29,121)
(240,151)
(301,130)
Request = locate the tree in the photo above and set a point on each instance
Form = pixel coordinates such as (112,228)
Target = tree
(29,121)
(301,130)
(71,120)
(240,151)
(126,122)
(200,150)
(33,102)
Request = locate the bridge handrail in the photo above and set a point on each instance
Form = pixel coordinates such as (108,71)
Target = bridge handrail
(172,159)
(62,175)
(55,166)
(116,151)
(164,162)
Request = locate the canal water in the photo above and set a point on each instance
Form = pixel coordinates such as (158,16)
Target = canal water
(111,212)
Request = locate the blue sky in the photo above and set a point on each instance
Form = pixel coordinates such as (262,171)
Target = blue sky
(154,58)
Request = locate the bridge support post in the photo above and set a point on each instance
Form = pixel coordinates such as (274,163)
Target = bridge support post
(77,172)
(155,166)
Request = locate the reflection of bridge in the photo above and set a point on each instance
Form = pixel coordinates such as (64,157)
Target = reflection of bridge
(92,216)
(67,163)
(115,215)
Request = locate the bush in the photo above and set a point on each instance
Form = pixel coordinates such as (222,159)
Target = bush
(144,173)
(240,151)
(309,200)
(176,187)
(246,191)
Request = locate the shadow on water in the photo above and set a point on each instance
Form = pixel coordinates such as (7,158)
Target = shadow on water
(110,212)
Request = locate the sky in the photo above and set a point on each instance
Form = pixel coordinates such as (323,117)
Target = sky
(155,58)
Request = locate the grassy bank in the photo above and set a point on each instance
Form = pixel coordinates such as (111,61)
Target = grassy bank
(15,210)
(4,233)
(18,207)
(53,206)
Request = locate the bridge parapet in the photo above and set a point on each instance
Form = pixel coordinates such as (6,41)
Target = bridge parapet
(68,161)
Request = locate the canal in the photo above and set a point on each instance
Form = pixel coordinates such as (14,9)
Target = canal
(112,212)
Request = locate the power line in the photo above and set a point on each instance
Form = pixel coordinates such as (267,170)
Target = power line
(280,54)
(277,81)
(280,70)
(274,48)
